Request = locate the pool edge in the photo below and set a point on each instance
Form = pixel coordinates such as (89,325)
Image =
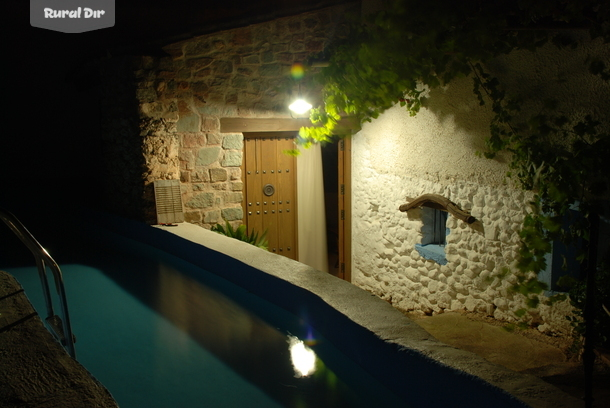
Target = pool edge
(360,307)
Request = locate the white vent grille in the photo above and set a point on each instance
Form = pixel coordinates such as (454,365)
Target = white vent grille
(169,201)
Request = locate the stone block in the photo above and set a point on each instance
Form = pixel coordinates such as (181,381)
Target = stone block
(207,156)
(203,73)
(200,176)
(297,46)
(245,71)
(267,57)
(240,82)
(234,197)
(237,186)
(233,141)
(251,59)
(501,303)
(210,124)
(214,139)
(192,216)
(219,186)
(233,214)
(270,70)
(211,217)
(412,274)
(202,200)
(218,174)
(232,159)
(471,304)
(314,45)
(193,140)
(200,88)
(188,123)
(198,63)
(222,67)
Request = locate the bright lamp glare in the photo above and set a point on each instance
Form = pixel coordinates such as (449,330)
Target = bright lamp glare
(300,106)
(303,358)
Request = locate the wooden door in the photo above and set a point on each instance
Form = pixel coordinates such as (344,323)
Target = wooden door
(270,190)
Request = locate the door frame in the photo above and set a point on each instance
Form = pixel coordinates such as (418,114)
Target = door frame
(346,126)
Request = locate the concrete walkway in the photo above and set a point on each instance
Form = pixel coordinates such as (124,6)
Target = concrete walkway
(494,343)
(520,353)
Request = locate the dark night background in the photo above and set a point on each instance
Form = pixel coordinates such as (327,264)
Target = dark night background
(50,140)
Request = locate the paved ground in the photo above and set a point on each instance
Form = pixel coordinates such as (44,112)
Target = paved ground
(35,371)
(527,352)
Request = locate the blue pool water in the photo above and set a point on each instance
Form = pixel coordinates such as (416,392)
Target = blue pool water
(158,331)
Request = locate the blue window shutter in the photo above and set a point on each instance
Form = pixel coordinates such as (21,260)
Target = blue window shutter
(434,230)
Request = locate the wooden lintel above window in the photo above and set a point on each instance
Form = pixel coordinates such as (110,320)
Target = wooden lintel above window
(440,203)
(234,125)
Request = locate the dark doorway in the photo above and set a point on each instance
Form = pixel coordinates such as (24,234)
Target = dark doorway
(330,165)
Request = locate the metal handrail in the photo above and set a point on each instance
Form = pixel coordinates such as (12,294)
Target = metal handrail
(60,327)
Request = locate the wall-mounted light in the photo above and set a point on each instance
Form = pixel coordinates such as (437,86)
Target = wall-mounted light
(300,106)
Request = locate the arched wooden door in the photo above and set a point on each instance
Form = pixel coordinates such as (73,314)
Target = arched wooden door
(270,189)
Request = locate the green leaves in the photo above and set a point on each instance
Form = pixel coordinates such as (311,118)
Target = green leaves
(241,234)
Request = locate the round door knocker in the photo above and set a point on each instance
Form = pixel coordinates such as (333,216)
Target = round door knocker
(268,190)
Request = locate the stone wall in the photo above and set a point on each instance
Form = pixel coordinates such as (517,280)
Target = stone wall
(398,156)
(244,72)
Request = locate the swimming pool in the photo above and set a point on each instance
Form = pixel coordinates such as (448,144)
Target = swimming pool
(159,331)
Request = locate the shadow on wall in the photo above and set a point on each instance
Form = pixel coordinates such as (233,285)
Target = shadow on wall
(548,74)
(457,103)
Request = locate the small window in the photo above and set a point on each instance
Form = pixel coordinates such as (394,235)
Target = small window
(434,235)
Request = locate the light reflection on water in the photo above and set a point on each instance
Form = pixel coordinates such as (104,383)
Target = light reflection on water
(303,358)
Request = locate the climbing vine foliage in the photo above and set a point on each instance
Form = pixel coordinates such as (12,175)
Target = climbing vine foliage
(396,55)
